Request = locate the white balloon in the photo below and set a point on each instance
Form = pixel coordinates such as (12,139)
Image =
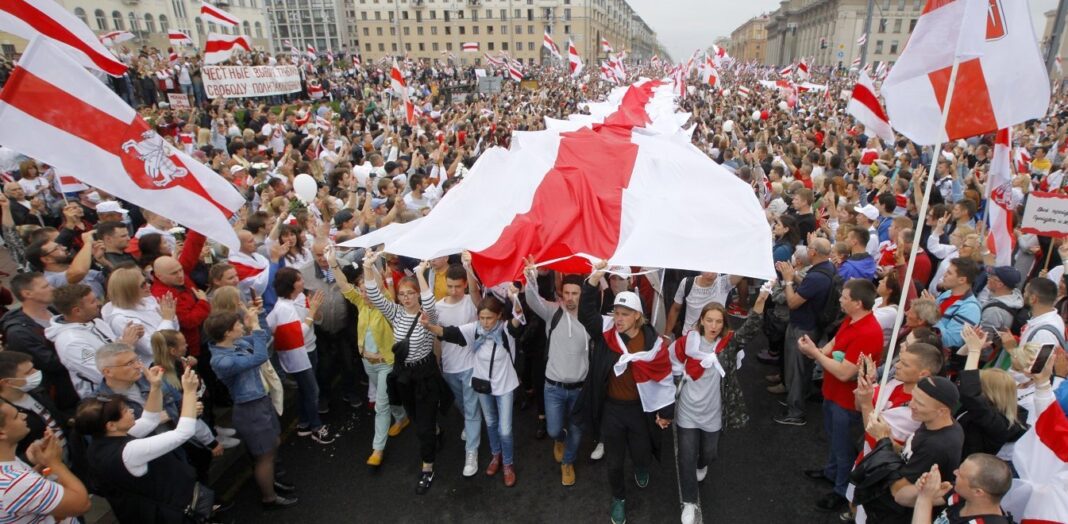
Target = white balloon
(783,105)
(756,115)
(305,187)
(728,126)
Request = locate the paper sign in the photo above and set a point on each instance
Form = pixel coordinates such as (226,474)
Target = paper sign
(178,101)
(1046,214)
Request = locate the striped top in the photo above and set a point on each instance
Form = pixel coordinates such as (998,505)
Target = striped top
(25,496)
(421,343)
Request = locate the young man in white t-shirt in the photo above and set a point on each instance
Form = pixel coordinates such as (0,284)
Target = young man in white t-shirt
(458,363)
(275,132)
(707,287)
(27,497)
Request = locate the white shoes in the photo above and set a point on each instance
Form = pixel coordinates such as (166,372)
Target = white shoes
(701,473)
(225,432)
(689,513)
(463,435)
(598,452)
(471,464)
(228,442)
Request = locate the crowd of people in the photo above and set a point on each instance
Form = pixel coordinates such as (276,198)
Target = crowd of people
(140,351)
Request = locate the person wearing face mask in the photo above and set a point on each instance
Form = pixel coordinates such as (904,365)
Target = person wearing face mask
(710,397)
(20,385)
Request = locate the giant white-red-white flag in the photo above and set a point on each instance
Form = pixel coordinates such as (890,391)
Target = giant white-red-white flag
(1001,79)
(573,59)
(594,187)
(214,14)
(47,18)
(866,108)
(1039,496)
(548,43)
(999,195)
(220,48)
(54,110)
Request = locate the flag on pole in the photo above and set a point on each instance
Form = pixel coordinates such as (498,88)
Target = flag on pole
(573,59)
(219,48)
(116,37)
(865,107)
(29,18)
(179,38)
(547,43)
(856,63)
(605,46)
(1041,458)
(54,110)
(214,14)
(515,70)
(786,71)
(356,60)
(743,91)
(396,80)
(863,39)
(802,70)
(470,47)
(493,61)
(65,183)
(999,194)
(994,45)
(310,51)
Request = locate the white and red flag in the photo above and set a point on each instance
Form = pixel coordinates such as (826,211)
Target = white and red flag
(116,37)
(220,48)
(864,105)
(856,63)
(802,70)
(651,369)
(548,43)
(396,80)
(214,14)
(607,73)
(1039,496)
(172,55)
(310,51)
(356,61)
(999,194)
(253,272)
(1001,78)
(49,19)
(743,91)
(574,61)
(493,61)
(786,71)
(65,183)
(470,47)
(179,38)
(54,110)
(1022,157)
(515,70)
(605,46)
(863,39)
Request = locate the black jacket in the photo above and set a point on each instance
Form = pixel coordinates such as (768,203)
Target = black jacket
(594,392)
(24,334)
(986,429)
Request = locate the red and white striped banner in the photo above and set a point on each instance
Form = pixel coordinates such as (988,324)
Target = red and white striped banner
(48,19)
(214,14)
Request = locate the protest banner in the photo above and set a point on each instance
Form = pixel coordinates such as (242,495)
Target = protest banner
(247,81)
(178,101)
(1046,214)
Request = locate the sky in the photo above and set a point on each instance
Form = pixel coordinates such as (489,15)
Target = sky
(686,25)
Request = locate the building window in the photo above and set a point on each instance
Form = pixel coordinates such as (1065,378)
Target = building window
(882,25)
(448,30)
(407,47)
(101,19)
(367,31)
(530,46)
(878,47)
(504,29)
(150,23)
(394,47)
(163,25)
(897,25)
(134,25)
(567,30)
(504,14)
(530,15)
(419,30)
(518,13)
(433,46)
(404,15)
(406,31)
(489,30)
(489,14)
(489,46)
(460,14)
(247,27)
(200,27)
(504,46)
(474,29)
(378,31)
(463,30)
(363,15)
(567,15)
(893,47)
(912,25)
(382,47)
(474,15)
(433,29)
(80,13)
(518,29)
(447,16)
(448,46)
(116,20)
(530,29)
(391,16)
(378,15)
(422,46)
(418,16)
(392,31)
(433,14)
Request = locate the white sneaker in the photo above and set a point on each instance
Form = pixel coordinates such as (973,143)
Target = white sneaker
(598,452)
(228,442)
(225,432)
(463,435)
(689,513)
(471,464)
(701,473)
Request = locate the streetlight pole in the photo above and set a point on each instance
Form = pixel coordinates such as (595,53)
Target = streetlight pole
(1055,38)
(867,34)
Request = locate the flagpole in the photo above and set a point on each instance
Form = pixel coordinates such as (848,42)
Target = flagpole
(900,317)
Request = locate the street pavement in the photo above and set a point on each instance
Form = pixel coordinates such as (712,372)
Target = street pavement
(757,477)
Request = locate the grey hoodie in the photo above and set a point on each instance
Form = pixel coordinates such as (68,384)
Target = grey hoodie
(998,317)
(76,345)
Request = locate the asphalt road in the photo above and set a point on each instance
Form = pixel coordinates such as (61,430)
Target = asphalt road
(756,479)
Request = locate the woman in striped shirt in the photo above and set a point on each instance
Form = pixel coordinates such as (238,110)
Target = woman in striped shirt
(416,380)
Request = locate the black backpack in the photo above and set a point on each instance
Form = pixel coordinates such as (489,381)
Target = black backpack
(828,317)
(1020,315)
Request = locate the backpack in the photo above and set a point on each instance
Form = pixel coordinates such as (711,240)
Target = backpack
(830,314)
(687,287)
(1020,316)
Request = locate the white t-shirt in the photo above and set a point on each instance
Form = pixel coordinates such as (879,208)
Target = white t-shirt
(699,296)
(277,134)
(32,187)
(26,497)
(456,359)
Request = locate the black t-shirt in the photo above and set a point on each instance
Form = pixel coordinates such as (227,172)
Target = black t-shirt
(951,514)
(806,224)
(942,447)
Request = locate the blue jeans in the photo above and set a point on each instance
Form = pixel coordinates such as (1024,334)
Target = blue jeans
(838,423)
(308,395)
(376,374)
(497,410)
(467,402)
(559,403)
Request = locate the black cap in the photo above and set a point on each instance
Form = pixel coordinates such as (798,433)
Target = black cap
(343,216)
(390,166)
(940,389)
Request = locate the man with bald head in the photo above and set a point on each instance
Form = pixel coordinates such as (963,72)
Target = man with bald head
(805,298)
(171,275)
(23,210)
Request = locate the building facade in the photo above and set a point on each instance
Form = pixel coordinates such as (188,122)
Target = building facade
(150,20)
(434,29)
(749,41)
(826,31)
(318,23)
(1047,40)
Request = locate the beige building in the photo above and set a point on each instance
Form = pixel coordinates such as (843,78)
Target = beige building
(826,31)
(749,41)
(1047,37)
(433,29)
(150,20)
(318,23)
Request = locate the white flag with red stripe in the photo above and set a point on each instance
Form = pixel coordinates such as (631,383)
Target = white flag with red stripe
(786,71)
(220,48)
(864,105)
(628,167)
(802,70)
(1039,495)
(999,195)
(1001,79)
(55,111)
(743,91)
(574,61)
(179,38)
(863,39)
(116,37)
(396,80)
(214,14)
(49,19)
(515,70)
(470,47)
(65,183)
(547,43)
(311,52)
(253,272)
(605,46)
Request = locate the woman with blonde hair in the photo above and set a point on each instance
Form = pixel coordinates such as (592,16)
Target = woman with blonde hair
(131,302)
(990,414)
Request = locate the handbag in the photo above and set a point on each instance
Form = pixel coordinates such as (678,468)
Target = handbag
(394,378)
(485,385)
(400,347)
(201,508)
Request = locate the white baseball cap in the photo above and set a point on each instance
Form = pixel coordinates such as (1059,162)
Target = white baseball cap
(629,300)
(868,211)
(110,206)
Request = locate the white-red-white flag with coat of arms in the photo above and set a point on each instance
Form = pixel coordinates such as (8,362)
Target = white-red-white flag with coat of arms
(53,110)
(999,184)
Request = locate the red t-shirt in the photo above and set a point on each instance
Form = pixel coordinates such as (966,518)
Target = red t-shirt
(864,336)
